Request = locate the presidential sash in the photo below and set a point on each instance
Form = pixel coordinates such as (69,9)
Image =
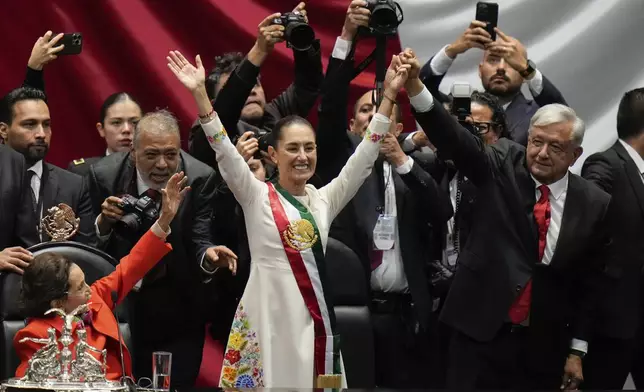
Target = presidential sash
(303,247)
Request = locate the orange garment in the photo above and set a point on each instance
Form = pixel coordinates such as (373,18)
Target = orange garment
(103,331)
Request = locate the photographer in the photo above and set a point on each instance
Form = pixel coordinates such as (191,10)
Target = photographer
(504,68)
(234,86)
(167,312)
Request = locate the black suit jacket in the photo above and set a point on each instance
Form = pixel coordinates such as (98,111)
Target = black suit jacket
(615,172)
(17,218)
(61,186)
(518,113)
(172,292)
(81,166)
(297,99)
(501,254)
(419,202)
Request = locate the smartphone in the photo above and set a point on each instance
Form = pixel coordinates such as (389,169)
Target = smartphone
(73,43)
(488,13)
(461,100)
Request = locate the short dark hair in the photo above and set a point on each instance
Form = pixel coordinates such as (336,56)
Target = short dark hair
(114,99)
(284,122)
(224,64)
(630,114)
(498,113)
(398,118)
(13,97)
(45,279)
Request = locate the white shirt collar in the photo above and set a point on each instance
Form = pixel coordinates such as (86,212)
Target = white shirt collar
(557,188)
(639,162)
(107,152)
(141,184)
(37,168)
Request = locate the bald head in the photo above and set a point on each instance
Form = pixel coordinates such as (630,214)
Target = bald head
(364,110)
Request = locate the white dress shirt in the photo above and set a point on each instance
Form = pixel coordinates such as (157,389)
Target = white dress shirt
(637,158)
(390,275)
(36,179)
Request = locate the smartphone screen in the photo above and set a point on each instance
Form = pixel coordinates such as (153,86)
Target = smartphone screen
(488,13)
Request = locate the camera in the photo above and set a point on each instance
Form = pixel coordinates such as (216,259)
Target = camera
(137,214)
(462,101)
(297,32)
(386,16)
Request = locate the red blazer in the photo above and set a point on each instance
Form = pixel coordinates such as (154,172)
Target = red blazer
(103,333)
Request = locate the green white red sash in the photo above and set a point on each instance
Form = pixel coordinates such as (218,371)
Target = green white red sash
(303,246)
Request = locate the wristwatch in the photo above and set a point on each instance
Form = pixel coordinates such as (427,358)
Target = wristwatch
(531,68)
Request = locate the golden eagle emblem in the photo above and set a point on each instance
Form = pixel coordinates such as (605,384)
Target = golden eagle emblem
(300,235)
(60,223)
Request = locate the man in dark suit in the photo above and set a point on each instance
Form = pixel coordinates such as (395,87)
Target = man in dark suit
(239,97)
(528,279)
(399,189)
(25,126)
(617,346)
(15,212)
(167,312)
(504,68)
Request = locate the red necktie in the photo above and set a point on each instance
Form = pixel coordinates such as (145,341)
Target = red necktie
(521,306)
(376,257)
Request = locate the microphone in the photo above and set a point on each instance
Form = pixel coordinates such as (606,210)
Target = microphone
(127,381)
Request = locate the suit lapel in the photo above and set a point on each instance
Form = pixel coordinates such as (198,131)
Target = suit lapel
(49,188)
(633,174)
(572,213)
(524,204)
(49,195)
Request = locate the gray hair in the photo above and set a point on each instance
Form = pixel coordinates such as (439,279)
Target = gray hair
(557,113)
(160,122)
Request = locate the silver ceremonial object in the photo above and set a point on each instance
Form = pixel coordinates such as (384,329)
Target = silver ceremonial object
(55,367)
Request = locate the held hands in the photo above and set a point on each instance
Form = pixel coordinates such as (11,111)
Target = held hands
(357,15)
(573,374)
(222,257)
(396,76)
(474,36)
(15,259)
(192,77)
(173,195)
(44,51)
(247,145)
(413,84)
(511,50)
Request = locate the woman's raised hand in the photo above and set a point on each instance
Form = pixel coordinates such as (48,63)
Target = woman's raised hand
(190,76)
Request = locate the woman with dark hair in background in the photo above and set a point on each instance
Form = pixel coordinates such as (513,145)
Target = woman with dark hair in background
(119,115)
(52,281)
(283,333)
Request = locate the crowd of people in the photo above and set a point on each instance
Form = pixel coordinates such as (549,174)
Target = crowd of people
(488,263)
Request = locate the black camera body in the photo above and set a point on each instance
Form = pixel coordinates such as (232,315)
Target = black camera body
(137,214)
(297,32)
(385,17)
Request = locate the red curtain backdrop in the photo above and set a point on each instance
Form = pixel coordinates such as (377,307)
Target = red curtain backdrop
(124,49)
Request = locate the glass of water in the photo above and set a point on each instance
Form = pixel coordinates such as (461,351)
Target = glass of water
(161,368)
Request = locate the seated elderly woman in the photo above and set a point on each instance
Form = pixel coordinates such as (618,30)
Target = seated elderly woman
(52,281)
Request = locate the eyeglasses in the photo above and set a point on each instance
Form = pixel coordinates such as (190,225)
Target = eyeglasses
(483,127)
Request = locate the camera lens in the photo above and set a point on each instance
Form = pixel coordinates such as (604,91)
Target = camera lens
(129,223)
(384,15)
(300,35)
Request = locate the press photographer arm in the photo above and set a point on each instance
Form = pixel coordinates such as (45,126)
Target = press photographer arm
(444,132)
(43,52)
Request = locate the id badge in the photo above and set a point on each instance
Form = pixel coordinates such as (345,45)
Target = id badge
(384,234)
